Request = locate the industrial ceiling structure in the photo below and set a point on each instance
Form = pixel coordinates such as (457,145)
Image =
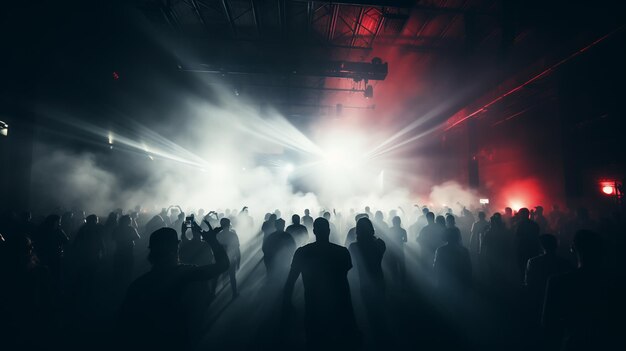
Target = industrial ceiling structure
(299,51)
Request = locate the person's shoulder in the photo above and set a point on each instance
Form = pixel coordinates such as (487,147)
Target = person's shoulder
(305,250)
(338,248)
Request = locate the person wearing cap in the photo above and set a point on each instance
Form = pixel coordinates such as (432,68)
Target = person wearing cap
(156,312)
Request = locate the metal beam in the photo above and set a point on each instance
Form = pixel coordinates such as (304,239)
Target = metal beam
(281,16)
(357,26)
(229,17)
(379,3)
(336,69)
(255,16)
(196,10)
(332,22)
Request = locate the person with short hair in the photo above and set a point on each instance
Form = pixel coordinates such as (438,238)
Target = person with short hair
(153,315)
(329,317)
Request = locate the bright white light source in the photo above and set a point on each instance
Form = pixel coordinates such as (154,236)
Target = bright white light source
(484,201)
(110,138)
(289,168)
(4,129)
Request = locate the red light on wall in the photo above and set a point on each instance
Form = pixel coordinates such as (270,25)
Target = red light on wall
(608,189)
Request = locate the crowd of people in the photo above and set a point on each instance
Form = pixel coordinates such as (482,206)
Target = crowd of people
(144,280)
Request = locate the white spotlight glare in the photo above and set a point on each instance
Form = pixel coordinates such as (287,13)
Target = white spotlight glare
(4,129)
(289,168)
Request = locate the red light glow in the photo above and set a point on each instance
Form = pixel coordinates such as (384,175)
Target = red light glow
(608,189)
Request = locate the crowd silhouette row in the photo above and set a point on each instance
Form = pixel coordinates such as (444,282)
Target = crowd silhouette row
(153,280)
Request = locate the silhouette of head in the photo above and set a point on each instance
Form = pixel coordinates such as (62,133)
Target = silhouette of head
(378,216)
(452,235)
(367,209)
(482,215)
(327,216)
(588,248)
(539,210)
(321,229)
(441,220)
(307,212)
(496,219)
(163,247)
(523,213)
(91,219)
(267,216)
(425,211)
(364,230)
(548,243)
(508,211)
(272,217)
(225,223)
(430,218)
(396,221)
(295,219)
(450,221)
(280,225)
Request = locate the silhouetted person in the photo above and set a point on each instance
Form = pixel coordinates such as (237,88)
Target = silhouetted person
(27,298)
(526,240)
(441,221)
(244,220)
(164,215)
(298,231)
(125,237)
(155,314)
(109,227)
(351,237)
(68,224)
(329,317)
(380,225)
(507,218)
(397,240)
(429,239)
(307,220)
(196,251)
(269,226)
(367,252)
(88,251)
(579,305)
(542,267)
(50,245)
(229,239)
(334,236)
(496,250)
(479,228)
(556,218)
(452,265)
(278,251)
(541,220)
